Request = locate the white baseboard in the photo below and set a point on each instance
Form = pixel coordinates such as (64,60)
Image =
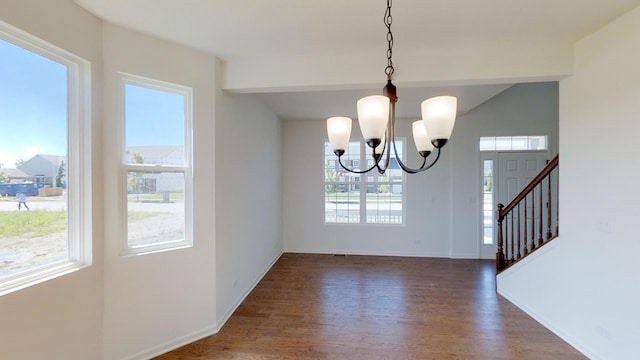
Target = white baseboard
(366,253)
(200,334)
(234,306)
(173,344)
(549,324)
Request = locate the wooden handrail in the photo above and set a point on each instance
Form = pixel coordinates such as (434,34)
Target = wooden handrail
(517,244)
(536,180)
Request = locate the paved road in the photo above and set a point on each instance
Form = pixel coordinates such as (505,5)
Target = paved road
(58,203)
(53,203)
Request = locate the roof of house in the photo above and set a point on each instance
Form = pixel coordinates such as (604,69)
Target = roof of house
(54,159)
(14,173)
(150,153)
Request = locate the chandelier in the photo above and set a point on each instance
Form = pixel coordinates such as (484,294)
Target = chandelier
(376,117)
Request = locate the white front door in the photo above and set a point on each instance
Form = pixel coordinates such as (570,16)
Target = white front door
(513,171)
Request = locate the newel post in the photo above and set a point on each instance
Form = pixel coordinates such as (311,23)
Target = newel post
(500,260)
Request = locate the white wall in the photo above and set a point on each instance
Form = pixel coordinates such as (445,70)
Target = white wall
(458,63)
(585,287)
(136,307)
(442,210)
(158,301)
(248,196)
(61,316)
(425,233)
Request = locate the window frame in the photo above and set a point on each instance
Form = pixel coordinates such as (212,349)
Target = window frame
(79,190)
(187,168)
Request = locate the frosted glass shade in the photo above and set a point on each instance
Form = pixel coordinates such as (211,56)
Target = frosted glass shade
(439,116)
(373,115)
(420,137)
(339,131)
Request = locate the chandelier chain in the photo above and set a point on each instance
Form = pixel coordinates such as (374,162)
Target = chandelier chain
(388,20)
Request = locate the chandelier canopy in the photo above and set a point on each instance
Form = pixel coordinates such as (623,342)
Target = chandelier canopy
(376,117)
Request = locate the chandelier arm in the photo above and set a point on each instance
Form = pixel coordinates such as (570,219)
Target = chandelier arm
(435,160)
(386,149)
(422,167)
(392,131)
(355,171)
(389,137)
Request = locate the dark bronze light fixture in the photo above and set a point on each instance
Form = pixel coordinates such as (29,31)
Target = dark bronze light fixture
(376,117)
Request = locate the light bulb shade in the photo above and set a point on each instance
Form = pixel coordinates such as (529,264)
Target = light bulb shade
(339,131)
(420,137)
(439,116)
(373,115)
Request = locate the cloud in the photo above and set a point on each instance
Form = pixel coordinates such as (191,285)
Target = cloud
(31,151)
(7,160)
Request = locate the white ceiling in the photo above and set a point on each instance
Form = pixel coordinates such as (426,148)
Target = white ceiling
(238,31)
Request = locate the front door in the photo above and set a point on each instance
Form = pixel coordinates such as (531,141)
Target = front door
(513,171)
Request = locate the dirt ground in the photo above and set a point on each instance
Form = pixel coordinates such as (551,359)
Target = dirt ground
(24,252)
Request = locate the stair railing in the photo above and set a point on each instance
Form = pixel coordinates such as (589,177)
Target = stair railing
(524,225)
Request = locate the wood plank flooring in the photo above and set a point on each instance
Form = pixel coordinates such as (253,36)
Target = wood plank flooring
(373,307)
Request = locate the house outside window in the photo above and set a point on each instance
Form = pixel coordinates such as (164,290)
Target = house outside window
(156,165)
(45,226)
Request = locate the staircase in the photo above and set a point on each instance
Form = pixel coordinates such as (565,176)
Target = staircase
(530,220)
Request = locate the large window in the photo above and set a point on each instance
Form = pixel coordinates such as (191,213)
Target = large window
(156,165)
(45,194)
(369,198)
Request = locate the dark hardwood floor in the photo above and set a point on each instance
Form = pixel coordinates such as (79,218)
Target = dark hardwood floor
(373,307)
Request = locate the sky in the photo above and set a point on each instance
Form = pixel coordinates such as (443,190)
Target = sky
(33,105)
(33,109)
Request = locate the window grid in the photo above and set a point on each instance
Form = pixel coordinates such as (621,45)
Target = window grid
(513,143)
(345,192)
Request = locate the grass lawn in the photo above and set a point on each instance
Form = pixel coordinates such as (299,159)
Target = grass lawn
(38,223)
(34,223)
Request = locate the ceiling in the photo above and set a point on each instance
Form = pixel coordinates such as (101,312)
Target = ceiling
(238,31)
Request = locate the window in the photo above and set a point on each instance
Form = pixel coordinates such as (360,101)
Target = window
(513,143)
(156,170)
(45,176)
(487,202)
(345,192)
